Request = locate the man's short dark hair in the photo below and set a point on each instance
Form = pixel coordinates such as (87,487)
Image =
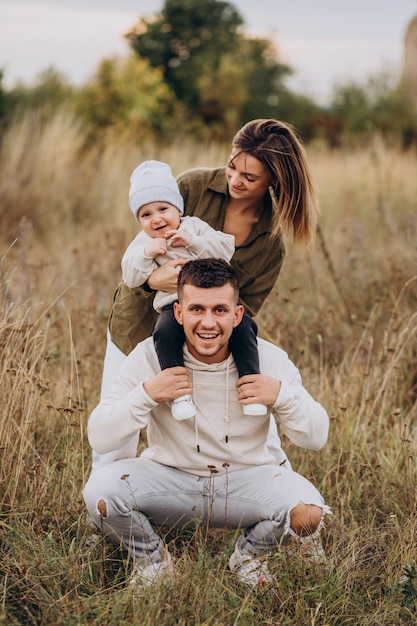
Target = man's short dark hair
(206,273)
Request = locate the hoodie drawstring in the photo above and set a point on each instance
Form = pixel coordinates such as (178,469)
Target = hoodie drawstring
(226,417)
(195,418)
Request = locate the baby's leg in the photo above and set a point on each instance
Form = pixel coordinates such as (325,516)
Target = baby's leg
(168,338)
(244,346)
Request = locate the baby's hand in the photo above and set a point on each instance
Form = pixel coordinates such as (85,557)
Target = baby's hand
(179,238)
(155,247)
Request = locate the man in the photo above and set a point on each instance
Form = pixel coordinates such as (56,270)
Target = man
(215,466)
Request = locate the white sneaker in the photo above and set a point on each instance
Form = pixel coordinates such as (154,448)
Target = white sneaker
(182,408)
(144,576)
(254,409)
(312,549)
(250,571)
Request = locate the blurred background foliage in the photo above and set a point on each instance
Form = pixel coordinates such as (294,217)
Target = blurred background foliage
(192,69)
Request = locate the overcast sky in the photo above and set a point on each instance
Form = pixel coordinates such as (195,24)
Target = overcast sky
(325,41)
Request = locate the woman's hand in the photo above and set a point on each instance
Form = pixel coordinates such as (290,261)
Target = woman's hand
(165,278)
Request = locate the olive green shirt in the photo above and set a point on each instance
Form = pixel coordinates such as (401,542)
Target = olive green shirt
(257,262)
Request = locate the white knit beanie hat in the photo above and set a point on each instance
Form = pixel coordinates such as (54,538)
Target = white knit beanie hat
(152,181)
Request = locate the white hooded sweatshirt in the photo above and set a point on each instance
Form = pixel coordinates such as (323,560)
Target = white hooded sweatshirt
(220,435)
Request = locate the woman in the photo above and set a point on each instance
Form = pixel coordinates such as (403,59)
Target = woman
(264,195)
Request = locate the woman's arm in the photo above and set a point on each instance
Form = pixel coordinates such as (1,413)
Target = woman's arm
(258,270)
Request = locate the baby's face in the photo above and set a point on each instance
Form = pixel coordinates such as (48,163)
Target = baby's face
(156,218)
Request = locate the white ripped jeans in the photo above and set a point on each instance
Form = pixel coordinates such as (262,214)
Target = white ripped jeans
(136,492)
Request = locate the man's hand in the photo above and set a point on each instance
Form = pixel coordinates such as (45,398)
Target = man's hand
(168,385)
(155,247)
(165,278)
(258,389)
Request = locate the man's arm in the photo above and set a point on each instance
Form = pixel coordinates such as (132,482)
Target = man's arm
(115,420)
(301,418)
(138,389)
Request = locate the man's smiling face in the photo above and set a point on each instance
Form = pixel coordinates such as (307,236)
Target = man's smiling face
(208,317)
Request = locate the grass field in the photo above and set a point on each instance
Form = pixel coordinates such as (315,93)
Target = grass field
(346,314)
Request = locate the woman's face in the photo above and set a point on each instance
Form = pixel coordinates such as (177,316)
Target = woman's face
(247,177)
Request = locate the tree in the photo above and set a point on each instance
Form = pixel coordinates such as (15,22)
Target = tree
(49,92)
(187,38)
(377,106)
(130,98)
(223,77)
(264,77)
(3,103)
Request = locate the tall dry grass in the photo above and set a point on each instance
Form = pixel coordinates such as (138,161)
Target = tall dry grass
(347,316)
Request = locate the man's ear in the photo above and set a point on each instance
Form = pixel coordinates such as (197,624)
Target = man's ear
(239,312)
(177,312)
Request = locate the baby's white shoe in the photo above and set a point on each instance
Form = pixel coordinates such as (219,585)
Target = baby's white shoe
(254,409)
(182,408)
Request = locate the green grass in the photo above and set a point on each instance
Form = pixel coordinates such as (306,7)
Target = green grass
(346,314)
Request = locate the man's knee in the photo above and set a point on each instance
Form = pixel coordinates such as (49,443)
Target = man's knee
(102,508)
(95,506)
(305,519)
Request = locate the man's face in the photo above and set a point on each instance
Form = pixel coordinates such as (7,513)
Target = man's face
(208,317)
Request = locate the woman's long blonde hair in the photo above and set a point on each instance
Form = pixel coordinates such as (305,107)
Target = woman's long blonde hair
(277,146)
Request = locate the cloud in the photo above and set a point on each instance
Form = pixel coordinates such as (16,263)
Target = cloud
(37,35)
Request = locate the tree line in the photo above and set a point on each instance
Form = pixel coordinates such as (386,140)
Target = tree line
(193,71)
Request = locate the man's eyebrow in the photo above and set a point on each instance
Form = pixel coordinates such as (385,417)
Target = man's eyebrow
(224,305)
